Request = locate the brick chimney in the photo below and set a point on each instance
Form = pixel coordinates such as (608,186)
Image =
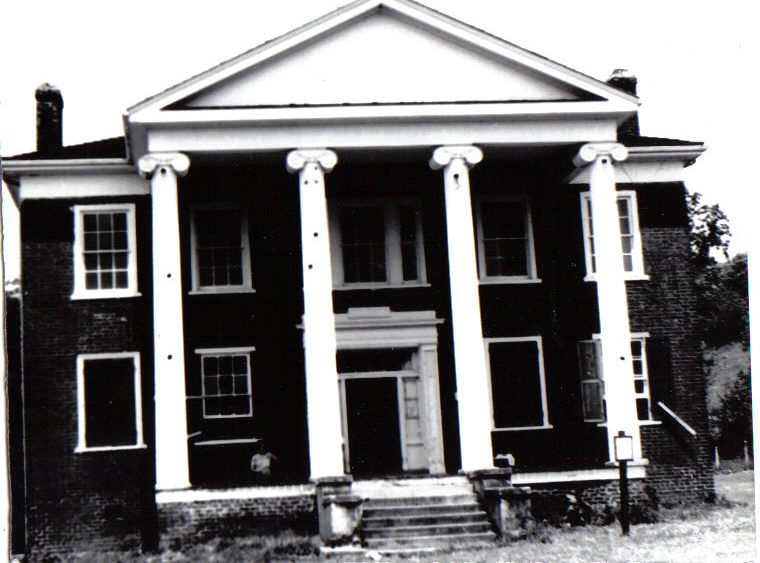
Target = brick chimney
(49,119)
(626,81)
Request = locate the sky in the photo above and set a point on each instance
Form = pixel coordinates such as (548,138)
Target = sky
(695,62)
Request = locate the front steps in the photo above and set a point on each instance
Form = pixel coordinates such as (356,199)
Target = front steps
(399,515)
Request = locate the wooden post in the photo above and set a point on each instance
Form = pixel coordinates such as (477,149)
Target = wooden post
(625,523)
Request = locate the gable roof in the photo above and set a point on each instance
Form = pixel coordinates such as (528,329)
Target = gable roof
(239,82)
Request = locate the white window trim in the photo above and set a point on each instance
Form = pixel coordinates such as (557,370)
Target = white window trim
(637,251)
(240,350)
(393,261)
(247,285)
(80,286)
(542,381)
(641,336)
(81,414)
(532,276)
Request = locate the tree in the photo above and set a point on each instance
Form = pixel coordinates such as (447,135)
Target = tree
(710,232)
(723,311)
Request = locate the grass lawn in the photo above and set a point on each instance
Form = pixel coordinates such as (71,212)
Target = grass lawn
(699,534)
(720,532)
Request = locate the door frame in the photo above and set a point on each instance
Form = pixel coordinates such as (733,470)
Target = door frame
(373,328)
(399,377)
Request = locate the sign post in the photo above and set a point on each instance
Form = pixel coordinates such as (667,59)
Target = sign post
(624,454)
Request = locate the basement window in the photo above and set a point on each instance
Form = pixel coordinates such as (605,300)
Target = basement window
(109,401)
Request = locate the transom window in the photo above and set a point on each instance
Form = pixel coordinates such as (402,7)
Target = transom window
(377,243)
(105,261)
(226,382)
(109,403)
(221,256)
(505,240)
(630,237)
(518,385)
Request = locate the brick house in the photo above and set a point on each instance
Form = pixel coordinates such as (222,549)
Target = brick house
(304,270)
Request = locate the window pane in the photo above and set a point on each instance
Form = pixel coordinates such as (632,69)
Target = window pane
(362,231)
(505,238)
(642,409)
(226,385)
(593,400)
(408,226)
(219,247)
(109,402)
(515,384)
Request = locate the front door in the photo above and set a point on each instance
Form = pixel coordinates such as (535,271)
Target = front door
(372,420)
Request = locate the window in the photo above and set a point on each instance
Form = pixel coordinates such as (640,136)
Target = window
(377,243)
(518,386)
(226,382)
(105,252)
(592,382)
(109,401)
(221,255)
(505,240)
(630,237)
(592,385)
(641,378)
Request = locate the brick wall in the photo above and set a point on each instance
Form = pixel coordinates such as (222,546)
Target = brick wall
(187,523)
(680,467)
(98,499)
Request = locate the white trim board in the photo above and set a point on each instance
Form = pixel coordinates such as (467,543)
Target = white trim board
(205,495)
(605,474)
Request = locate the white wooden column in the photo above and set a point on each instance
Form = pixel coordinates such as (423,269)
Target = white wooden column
(168,329)
(319,342)
(617,366)
(473,397)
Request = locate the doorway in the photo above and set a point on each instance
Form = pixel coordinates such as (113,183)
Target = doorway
(372,420)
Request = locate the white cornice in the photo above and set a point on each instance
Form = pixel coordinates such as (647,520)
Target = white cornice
(684,153)
(15,168)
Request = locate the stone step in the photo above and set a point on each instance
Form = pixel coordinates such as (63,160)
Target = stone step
(419,500)
(393,511)
(406,519)
(452,540)
(398,532)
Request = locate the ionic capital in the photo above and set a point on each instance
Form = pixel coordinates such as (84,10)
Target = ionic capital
(178,162)
(324,158)
(589,152)
(442,156)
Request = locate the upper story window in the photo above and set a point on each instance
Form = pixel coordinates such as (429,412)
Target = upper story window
(377,243)
(505,240)
(109,401)
(630,236)
(518,383)
(226,382)
(105,251)
(221,255)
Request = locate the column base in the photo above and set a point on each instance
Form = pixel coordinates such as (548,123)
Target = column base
(339,510)
(508,507)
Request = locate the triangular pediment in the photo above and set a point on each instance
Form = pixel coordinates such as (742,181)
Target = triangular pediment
(381,53)
(383,59)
